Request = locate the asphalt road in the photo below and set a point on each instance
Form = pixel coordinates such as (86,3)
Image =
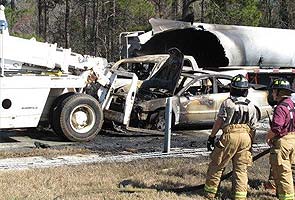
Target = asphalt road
(107,147)
(113,143)
(107,141)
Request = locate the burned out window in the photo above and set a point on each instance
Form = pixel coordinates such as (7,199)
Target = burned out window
(182,82)
(223,85)
(200,87)
(142,70)
(187,65)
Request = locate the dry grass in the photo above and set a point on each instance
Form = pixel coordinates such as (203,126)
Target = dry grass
(48,153)
(144,180)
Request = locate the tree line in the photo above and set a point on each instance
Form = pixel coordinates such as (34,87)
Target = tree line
(93,26)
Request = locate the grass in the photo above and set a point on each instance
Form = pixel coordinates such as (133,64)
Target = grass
(142,179)
(47,153)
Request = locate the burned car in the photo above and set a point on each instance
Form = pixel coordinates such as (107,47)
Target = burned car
(196,101)
(196,94)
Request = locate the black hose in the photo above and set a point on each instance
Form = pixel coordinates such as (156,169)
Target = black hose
(226,176)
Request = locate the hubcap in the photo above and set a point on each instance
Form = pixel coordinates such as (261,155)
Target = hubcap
(82,118)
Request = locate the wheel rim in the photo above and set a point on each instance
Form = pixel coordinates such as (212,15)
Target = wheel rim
(82,118)
(160,123)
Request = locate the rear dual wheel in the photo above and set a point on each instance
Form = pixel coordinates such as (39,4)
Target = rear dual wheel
(54,114)
(79,117)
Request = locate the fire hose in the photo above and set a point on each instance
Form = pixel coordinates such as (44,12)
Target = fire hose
(190,188)
(197,187)
(225,176)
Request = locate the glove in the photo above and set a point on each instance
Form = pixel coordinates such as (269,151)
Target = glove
(211,143)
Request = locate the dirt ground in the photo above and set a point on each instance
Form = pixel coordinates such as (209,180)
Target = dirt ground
(108,142)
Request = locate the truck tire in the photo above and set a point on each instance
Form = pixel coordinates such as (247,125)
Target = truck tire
(54,114)
(81,117)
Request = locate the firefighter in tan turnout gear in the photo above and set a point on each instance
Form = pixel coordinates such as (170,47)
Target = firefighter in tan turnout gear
(281,138)
(237,118)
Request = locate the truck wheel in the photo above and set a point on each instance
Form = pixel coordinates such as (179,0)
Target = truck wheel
(54,114)
(81,117)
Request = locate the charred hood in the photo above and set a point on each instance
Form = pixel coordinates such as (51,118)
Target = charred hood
(165,78)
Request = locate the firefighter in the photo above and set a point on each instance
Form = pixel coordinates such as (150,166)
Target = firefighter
(237,118)
(281,138)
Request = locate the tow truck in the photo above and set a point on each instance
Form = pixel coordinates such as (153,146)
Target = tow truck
(42,84)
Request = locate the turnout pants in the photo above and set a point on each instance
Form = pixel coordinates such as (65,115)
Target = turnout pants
(235,145)
(282,156)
